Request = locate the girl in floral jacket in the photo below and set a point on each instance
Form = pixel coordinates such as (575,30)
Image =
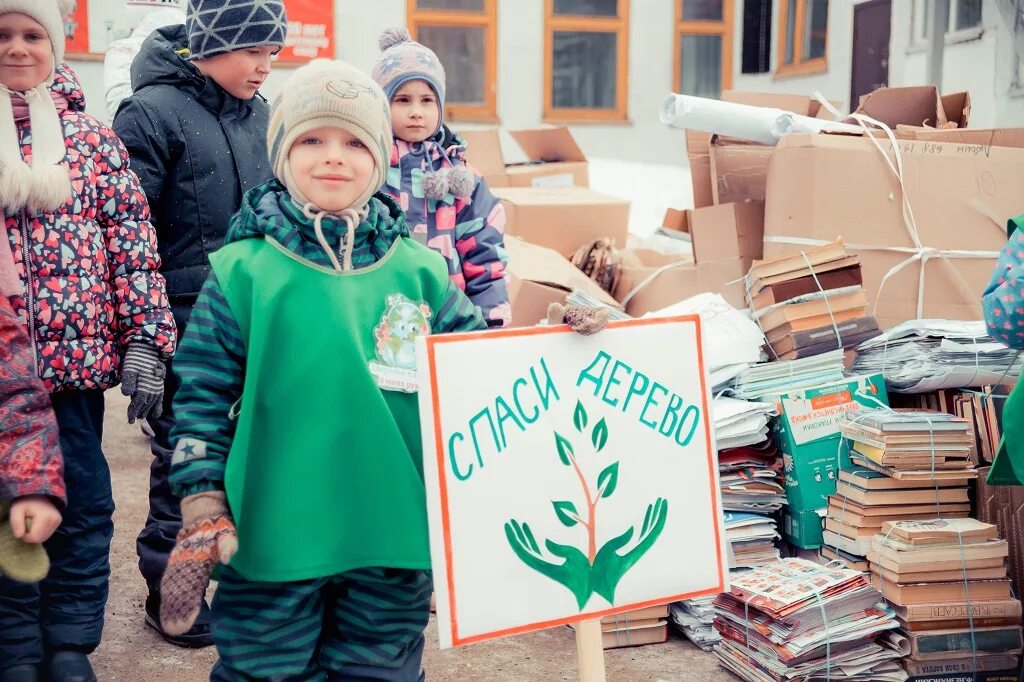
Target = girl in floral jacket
(96,311)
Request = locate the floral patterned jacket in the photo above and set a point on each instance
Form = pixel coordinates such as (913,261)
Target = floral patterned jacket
(90,269)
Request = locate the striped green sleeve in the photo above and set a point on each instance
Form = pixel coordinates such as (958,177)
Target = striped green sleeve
(456,313)
(210,365)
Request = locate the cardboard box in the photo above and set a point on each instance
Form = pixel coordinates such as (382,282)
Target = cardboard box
(807,433)
(916,106)
(986,137)
(564,218)
(803,528)
(555,160)
(726,239)
(698,151)
(739,170)
(539,277)
(743,165)
(483,152)
(825,186)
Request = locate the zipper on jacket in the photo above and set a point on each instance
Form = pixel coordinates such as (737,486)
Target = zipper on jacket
(30,289)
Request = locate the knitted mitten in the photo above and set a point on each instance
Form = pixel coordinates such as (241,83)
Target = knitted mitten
(142,378)
(206,538)
(20,561)
(583,320)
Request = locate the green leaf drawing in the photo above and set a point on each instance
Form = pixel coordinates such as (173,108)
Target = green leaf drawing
(566,513)
(565,451)
(609,566)
(579,417)
(573,572)
(607,480)
(600,435)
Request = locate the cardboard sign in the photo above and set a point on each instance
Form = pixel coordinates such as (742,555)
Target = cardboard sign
(94,24)
(578,479)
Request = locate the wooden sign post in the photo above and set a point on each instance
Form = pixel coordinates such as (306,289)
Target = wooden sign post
(568,478)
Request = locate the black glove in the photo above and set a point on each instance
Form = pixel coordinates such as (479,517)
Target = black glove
(142,378)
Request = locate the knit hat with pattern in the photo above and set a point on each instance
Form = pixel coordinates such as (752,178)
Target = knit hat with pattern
(156,3)
(403,60)
(218,26)
(330,93)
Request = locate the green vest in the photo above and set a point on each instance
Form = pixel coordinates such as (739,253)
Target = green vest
(325,472)
(1008,467)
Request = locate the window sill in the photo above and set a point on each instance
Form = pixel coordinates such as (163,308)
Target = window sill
(965,35)
(560,120)
(810,68)
(490,119)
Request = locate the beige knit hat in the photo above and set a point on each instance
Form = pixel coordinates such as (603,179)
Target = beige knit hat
(330,93)
(45,185)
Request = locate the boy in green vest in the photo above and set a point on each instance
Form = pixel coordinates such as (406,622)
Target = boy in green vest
(298,452)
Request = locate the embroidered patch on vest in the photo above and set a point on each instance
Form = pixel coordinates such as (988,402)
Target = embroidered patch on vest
(395,341)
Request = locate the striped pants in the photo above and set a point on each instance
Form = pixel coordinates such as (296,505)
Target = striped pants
(361,626)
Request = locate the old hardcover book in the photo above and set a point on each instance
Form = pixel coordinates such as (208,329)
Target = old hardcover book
(886,497)
(781,292)
(853,301)
(874,480)
(942,644)
(940,531)
(925,593)
(940,510)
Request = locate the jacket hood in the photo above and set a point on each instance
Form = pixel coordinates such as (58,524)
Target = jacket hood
(66,83)
(163,60)
(269,211)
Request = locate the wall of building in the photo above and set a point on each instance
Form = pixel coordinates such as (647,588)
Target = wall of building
(520,73)
(981,61)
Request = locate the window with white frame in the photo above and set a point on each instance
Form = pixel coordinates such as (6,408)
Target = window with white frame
(964,15)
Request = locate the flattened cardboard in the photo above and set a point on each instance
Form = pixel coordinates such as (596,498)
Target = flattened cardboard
(564,218)
(698,151)
(483,152)
(825,186)
(539,277)
(555,160)
(727,231)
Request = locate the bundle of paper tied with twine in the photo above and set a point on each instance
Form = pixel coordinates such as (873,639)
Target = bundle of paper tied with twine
(919,252)
(600,261)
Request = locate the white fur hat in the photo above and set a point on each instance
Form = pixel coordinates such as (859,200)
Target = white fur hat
(47,13)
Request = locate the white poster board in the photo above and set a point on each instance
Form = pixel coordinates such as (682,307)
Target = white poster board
(568,477)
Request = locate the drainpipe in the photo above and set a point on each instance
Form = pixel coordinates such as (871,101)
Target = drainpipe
(940,23)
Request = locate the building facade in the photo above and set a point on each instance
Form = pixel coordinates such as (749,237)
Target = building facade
(604,66)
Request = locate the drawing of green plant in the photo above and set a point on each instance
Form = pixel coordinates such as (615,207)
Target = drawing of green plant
(596,570)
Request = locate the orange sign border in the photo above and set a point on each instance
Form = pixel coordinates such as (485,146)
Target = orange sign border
(432,342)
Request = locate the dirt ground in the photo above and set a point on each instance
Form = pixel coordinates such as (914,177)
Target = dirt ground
(132,652)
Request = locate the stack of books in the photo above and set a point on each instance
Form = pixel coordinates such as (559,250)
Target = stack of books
(695,618)
(811,302)
(982,408)
(946,580)
(904,465)
(796,620)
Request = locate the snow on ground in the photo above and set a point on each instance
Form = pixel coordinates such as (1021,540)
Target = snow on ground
(651,187)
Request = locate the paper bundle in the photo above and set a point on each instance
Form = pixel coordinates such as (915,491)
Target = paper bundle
(751,479)
(798,620)
(751,539)
(771,379)
(695,619)
(927,355)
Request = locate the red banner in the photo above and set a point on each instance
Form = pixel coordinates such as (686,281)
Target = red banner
(310,29)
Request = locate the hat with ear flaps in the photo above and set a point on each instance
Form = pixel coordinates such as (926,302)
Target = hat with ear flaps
(401,61)
(46,184)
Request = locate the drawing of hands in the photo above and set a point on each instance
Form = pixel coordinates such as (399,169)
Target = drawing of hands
(573,572)
(610,566)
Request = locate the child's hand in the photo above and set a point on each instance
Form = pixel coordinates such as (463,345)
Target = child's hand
(34,518)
